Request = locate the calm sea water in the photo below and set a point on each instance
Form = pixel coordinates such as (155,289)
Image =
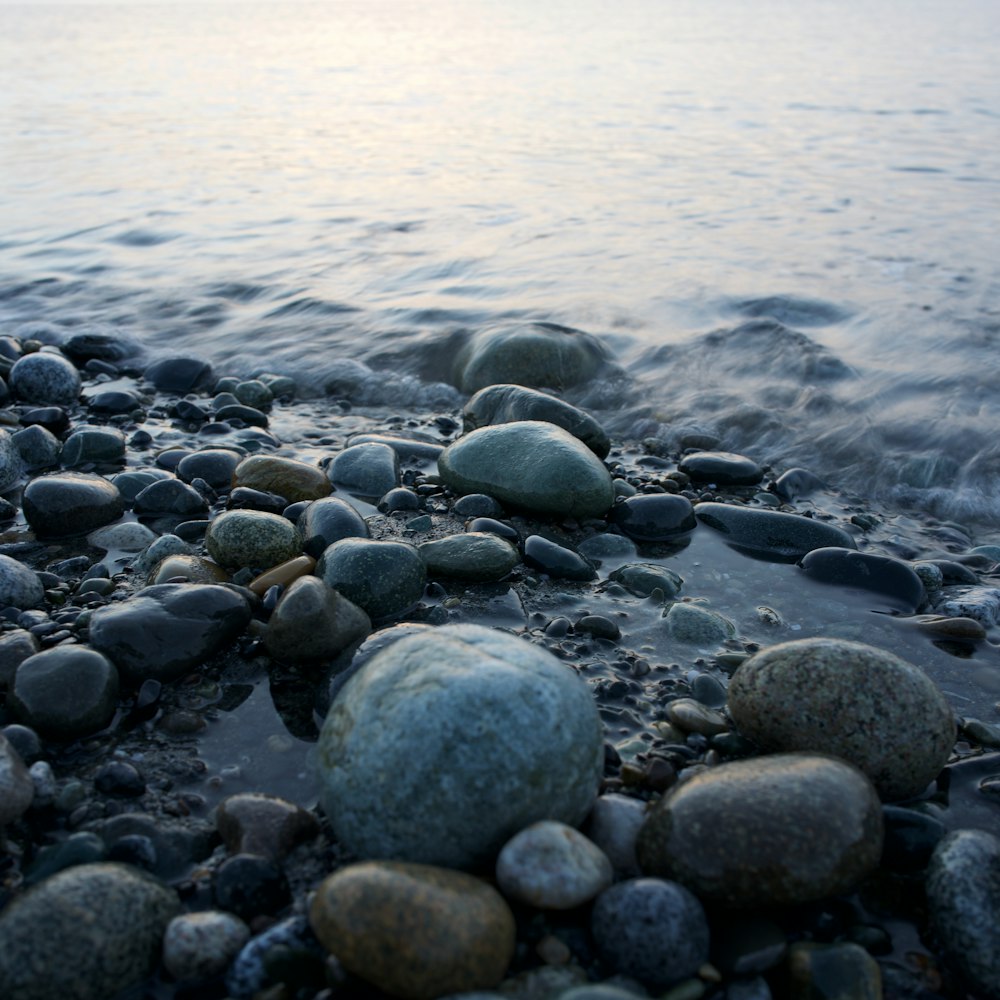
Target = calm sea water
(781,215)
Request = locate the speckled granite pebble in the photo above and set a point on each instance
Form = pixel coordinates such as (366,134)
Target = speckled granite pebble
(46,378)
(414,931)
(854,701)
(696,624)
(200,945)
(247,974)
(552,866)
(86,933)
(252,538)
(19,585)
(474,555)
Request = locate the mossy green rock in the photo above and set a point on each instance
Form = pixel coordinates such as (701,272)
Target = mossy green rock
(252,538)
(530,464)
(86,933)
(855,701)
(475,555)
(449,741)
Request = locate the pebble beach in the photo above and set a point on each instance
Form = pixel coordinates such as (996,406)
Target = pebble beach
(535,712)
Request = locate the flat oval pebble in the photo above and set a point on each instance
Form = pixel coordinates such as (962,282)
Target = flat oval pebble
(504,404)
(721,467)
(70,503)
(552,866)
(366,470)
(898,584)
(450,741)
(771,534)
(414,931)
(383,578)
(19,585)
(693,717)
(214,465)
(532,465)
(287,477)
(692,623)
(94,445)
(556,561)
(45,378)
(166,631)
(864,704)
(963,894)
(775,830)
(201,945)
(654,517)
(65,692)
(86,933)
(472,555)
(187,569)
(238,538)
(651,929)
(179,374)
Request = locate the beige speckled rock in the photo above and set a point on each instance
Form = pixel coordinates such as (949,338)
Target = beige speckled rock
(253,823)
(287,477)
(879,712)
(253,538)
(414,931)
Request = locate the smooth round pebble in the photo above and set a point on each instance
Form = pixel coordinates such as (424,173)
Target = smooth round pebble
(472,555)
(287,477)
(366,470)
(327,521)
(70,503)
(45,378)
(613,825)
(552,866)
(721,467)
(201,945)
(19,585)
(252,538)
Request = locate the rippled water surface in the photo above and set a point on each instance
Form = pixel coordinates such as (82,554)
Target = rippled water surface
(781,216)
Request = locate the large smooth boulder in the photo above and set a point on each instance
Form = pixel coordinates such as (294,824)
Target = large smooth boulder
(532,465)
(450,741)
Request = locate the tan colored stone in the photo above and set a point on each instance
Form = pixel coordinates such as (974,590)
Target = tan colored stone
(283,574)
(287,477)
(252,823)
(193,569)
(414,931)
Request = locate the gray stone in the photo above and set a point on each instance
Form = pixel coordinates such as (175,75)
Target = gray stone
(214,465)
(16,786)
(529,464)
(65,692)
(170,497)
(419,448)
(314,622)
(252,538)
(857,702)
(164,547)
(721,467)
(542,355)
(474,555)
(93,445)
(11,459)
(19,585)
(963,893)
(551,866)
(129,536)
(450,741)
(642,579)
(201,945)
(45,378)
(15,648)
(606,546)
(841,971)
(896,582)
(70,503)
(695,624)
(366,470)
(775,830)
(254,393)
(614,824)
(86,933)
(652,929)
(770,533)
(383,578)
(168,630)
(37,447)
(692,717)
(247,974)
(504,404)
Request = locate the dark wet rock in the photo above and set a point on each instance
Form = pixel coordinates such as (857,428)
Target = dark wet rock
(214,465)
(614,824)
(287,477)
(251,823)
(504,404)
(176,845)
(366,470)
(113,402)
(15,648)
(910,838)
(244,498)
(955,572)
(198,946)
(963,893)
(459,933)
(542,355)
(643,579)
(131,483)
(249,886)
(408,449)
(493,527)
(16,787)
(327,521)
(92,345)
(53,418)
(599,627)
(120,778)
(855,701)
(248,973)
(746,944)
(70,503)
(179,374)
(253,538)
(190,411)
(166,631)
(20,587)
(399,499)
(532,465)
(82,848)
(770,830)
(51,945)
(37,448)
(65,692)
(383,578)
(797,483)
(556,561)
(313,622)
(470,556)
(654,517)
(841,971)
(477,505)
(721,467)
(651,929)
(45,378)
(134,850)
(771,534)
(482,734)
(170,496)
(892,578)
(13,458)
(253,392)
(240,415)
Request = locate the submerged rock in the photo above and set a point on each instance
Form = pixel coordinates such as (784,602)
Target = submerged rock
(654,517)
(892,578)
(450,741)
